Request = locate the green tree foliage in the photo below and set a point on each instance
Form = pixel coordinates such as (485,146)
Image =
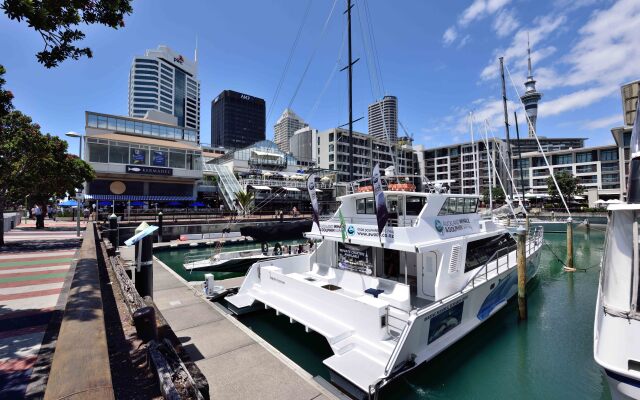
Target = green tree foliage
(245,199)
(497,194)
(568,186)
(57,23)
(34,164)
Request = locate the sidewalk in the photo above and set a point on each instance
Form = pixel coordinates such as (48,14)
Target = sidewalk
(36,267)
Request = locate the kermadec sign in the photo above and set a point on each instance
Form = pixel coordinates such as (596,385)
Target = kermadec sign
(449,226)
(144,170)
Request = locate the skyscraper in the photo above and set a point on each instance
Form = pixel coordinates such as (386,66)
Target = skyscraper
(530,98)
(166,81)
(287,124)
(237,120)
(383,119)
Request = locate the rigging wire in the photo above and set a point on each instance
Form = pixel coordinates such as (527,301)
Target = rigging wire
(335,69)
(535,134)
(313,54)
(289,59)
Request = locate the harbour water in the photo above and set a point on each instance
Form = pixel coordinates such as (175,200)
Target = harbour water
(550,356)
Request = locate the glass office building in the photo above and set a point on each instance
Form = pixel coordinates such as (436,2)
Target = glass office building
(237,120)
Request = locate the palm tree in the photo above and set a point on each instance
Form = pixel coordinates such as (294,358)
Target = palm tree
(244,199)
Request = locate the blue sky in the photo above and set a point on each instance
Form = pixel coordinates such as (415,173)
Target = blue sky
(438,58)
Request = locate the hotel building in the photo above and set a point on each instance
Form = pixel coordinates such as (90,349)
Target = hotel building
(166,81)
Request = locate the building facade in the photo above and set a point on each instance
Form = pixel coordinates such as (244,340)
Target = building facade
(303,145)
(288,123)
(332,153)
(237,120)
(629,92)
(383,119)
(165,81)
(140,159)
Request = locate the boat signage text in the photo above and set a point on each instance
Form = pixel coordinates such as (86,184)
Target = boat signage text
(355,258)
(355,231)
(449,226)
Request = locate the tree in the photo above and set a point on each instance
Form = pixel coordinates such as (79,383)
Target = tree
(244,199)
(57,23)
(34,164)
(568,186)
(496,193)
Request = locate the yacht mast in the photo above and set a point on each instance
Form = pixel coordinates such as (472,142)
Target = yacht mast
(506,122)
(350,67)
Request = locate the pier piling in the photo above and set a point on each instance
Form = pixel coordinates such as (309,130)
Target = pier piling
(113,230)
(569,264)
(144,268)
(521,258)
(160,227)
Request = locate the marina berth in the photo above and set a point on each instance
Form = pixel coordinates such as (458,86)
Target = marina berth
(388,300)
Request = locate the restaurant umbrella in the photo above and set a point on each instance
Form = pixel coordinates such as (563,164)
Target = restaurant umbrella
(104,203)
(137,204)
(68,203)
(197,204)
(174,204)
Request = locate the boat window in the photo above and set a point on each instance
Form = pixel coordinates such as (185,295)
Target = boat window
(371,207)
(415,204)
(360,206)
(459,205)
(395,204)
(481,251)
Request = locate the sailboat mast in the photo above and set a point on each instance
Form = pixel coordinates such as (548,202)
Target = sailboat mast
(506,123)
(515,117)
(350,93)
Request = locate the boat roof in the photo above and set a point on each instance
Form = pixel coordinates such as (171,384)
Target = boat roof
(406,193)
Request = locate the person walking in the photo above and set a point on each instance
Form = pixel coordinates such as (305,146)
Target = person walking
(281,216)
(39,217)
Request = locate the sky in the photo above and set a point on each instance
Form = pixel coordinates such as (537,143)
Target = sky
(439,58)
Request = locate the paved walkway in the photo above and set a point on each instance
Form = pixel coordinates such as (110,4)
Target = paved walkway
(34,266)
(233,359)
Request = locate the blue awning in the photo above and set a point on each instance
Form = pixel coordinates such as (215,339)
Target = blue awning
(68,203)
(126,197)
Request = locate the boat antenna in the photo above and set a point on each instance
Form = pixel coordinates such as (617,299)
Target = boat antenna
(633,185)
(506,119)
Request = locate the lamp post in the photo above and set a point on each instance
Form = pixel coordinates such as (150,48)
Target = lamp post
(73,134)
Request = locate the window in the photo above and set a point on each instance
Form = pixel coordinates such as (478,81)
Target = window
(102,122)
(139,156)
(92,120)
(159,157)
(330,137)
(130,127)
(584,157)
(481,251)
(459,205)
(371,206)
(415,204)
(177,159)
(562,159)
(118,153)
(98,152)
(605,155)
(145,61)
(121,125)
(360,206)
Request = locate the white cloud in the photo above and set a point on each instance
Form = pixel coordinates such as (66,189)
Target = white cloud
(464,41)
(575,100)
(480,9)
(605,122)
(505,23)
(449,35)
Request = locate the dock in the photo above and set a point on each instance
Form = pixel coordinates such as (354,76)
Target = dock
(237,363)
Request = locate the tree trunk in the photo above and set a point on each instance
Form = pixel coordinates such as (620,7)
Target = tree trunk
(1,221)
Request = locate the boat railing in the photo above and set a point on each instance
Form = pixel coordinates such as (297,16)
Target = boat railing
(395,322)
(191,258)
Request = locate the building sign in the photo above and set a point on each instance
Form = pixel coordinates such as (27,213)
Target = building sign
(138,156)
(449,226)
(144,170)
(245,97)
(355,258)
(159,158)
(179,59)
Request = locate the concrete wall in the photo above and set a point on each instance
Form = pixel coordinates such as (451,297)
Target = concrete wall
(11,220)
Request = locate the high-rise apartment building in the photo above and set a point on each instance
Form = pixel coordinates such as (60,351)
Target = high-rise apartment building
(237,120)
(285,127)
(383,119)
(165,81)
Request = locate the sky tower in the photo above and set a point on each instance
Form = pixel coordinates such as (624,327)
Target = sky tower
(531,97)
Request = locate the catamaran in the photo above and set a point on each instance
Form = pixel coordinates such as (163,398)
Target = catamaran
(388,301)
(617,321)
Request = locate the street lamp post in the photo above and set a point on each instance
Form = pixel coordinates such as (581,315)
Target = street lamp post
(79,193)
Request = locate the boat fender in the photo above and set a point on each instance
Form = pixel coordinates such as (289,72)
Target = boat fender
(277,249)
(265,248)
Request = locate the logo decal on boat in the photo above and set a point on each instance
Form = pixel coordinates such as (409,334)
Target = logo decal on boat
(351,230)
(439,226)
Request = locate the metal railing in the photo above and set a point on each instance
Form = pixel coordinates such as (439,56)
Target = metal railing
(403,322)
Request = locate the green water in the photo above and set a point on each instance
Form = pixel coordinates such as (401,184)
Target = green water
(550,356)
(174,258)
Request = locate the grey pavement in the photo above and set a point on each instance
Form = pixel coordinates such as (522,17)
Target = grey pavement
(235,363)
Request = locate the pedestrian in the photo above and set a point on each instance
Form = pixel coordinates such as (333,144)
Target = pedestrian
(281,216)
(32,215)
(85,212)
(39,217)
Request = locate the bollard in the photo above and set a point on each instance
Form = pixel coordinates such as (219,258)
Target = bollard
(144,267)
(160,227)
(521,258)
(569,264)
(144,319)
(113,231)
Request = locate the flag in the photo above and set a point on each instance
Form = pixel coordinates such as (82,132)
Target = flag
(311,187)
(343,225)
(381,205)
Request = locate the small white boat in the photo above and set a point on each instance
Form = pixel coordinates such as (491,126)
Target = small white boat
(616,348)
(389,303)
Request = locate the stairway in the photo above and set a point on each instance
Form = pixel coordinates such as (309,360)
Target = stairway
(228,184)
